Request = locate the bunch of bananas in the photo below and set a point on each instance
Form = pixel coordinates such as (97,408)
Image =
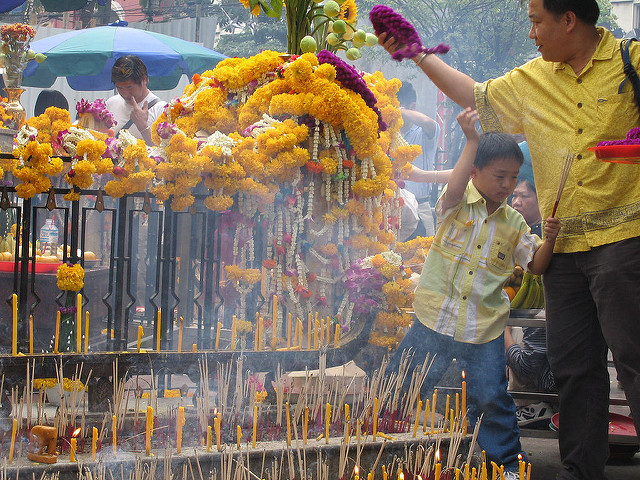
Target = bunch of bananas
(530,294)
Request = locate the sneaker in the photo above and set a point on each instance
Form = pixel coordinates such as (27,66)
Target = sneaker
(511,476)
(534,415)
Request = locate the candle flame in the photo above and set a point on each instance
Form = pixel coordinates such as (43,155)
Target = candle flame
(215,411)
(419,477)
(519,456)
(464,375)
(401,476)
(76,432)
(438,455)
(356,470)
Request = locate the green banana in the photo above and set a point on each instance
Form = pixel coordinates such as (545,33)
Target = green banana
(532,293)
(540,300)
(522,293)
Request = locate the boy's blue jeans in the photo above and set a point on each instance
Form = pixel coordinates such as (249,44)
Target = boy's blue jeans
(485,369)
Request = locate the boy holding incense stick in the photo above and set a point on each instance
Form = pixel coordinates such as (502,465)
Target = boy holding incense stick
(460,304)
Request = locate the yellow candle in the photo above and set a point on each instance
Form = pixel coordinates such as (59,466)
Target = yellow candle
(255,426)
(79,323)
(309,328)
(298,336)
(322,331)
(433,409)
(72,450)
(336,336)
(158,329)
(328,324)
(94,443)
(494,470)
(140,333)
(474,475)
(385,475)
(356,471)
(274,322)
(521,467)
(316,334)
(86,332)
(288,416)
(427,409)
(347,423)
(238,435)
(209,438)
(179,424)
(217,423)
(194,347)
(30,334)
(375,418)
(457,474)
(14,431)
(56,342)
(369,476)
(457,404)
(218,328)
(256,336)
(529,471)
(463,410)
(180,334)
(438,471)
(289,330)
(148,430)
(261,333)
(466,471)
(446,412)
(306,424)
(327,423)
(114,435)
(233,333)
(14,317)
(416,421)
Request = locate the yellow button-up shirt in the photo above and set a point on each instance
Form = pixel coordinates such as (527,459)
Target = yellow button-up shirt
(460,290)
(561,113)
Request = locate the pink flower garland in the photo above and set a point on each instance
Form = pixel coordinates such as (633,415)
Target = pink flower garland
(385,20)
(98,109)
(633,138)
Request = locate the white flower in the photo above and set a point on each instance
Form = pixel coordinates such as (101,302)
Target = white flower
(219,139)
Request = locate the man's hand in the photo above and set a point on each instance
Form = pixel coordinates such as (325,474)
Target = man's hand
(140,116)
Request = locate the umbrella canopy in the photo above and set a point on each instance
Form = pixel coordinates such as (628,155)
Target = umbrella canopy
(86,56)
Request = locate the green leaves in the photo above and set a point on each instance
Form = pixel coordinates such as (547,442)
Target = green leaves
(273,8)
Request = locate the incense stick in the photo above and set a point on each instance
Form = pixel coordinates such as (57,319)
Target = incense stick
(566,167)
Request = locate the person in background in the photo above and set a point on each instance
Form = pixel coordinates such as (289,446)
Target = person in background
(49,98)
(528,364)
(135,108)
(419,129)
(591,286)
(460,304)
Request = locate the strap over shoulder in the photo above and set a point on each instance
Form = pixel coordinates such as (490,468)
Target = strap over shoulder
(629,70)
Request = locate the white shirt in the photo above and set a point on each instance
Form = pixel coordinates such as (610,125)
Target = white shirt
(121,111)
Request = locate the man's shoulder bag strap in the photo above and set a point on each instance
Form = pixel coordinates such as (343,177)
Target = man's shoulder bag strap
(629,70)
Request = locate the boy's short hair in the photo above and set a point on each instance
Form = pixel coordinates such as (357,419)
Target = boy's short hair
(129,67)
(586,10)
(407,94)
(494,145)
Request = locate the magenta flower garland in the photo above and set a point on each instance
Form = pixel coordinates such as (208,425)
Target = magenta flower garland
(385,20)
(633,138)
(351,79)
(98,109)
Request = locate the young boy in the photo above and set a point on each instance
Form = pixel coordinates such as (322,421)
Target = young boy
(460,305)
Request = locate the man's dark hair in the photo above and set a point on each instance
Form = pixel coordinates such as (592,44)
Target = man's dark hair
(586,10)
(407,94)
(129,67)
(49,98)
(495,145)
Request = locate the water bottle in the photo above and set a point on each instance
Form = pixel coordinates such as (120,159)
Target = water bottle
(49,237)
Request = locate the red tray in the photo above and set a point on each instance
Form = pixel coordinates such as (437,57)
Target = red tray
(621,428)
(40,267)
(618,153)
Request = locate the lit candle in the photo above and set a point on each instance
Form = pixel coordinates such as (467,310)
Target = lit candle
(400,475)
(14,431)
(86,331)
(233,332)
(274,322)
(30,334)
(94,443)
(158,329)
(438,471)
(255,426)
(56,342)
(288,417)
(140,333)
(375,418)
(433,409)
(114,435)
(179,424)
(79,323)
(347,423)
(309,328)
(14,317)
(218,328)
(217,423)
(327,423)
(446,412)
(306,424)
(521,467)
(417,420)
(209,438)
(238,435)
(356,470)
(336,336)
(148,430)
(289,330)
(463,410)
(72,449)
(181,326)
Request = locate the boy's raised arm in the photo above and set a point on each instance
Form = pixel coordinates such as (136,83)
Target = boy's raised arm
(462,171)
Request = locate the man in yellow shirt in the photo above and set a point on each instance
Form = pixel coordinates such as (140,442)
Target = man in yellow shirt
(564,102)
